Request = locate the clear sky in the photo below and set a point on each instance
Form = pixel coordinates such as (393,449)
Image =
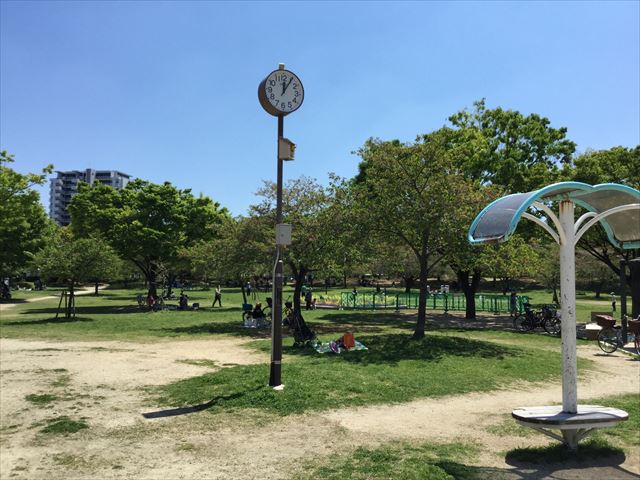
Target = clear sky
(168,90)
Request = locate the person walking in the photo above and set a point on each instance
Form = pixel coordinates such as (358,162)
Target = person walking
(613,301)
(218,297)
(513,303)
(308,297)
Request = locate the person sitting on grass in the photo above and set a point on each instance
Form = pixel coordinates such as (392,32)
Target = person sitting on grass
(151,301)
(183,303)
(257,311)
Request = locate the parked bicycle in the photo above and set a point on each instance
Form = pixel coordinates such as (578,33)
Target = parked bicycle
(552,324)
(548,318)
(258,316)
(610,337)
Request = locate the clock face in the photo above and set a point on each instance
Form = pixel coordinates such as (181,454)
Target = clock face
(282,91)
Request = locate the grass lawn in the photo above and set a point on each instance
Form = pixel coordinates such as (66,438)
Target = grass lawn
(395,369)
(401,461)
(114,314)
(24,294)
(405,460)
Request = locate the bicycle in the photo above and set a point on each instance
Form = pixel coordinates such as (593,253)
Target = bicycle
(551,323)
(548,319)
(610,337)
(248,320)
(292,320)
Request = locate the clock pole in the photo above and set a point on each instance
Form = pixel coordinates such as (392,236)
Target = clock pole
(275,375)
(279,103)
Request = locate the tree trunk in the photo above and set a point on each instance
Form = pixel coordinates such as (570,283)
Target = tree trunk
(422,299)
(409,283)
(244,293)
(170,279)
(71,304)
(301,331)
(151,282)
(598,290)
(97,293)
(469,288)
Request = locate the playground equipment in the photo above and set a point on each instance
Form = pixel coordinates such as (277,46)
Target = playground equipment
(617,208)
(455,302)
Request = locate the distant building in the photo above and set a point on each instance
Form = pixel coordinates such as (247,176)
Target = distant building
(65,186)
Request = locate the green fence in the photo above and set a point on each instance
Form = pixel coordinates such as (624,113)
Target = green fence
(485,302)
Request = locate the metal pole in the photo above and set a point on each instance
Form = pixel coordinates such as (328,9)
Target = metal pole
(623,298)
(568,304)
(275,375)
(568,294)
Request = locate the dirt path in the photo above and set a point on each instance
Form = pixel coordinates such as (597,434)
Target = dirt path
(103,382)
(81,291)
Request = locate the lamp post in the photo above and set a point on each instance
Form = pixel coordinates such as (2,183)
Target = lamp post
(280,93)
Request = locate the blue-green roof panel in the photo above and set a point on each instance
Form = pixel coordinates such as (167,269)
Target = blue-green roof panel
(498,221)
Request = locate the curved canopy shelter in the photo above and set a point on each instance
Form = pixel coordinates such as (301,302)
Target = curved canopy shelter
(614,206)
(617,208)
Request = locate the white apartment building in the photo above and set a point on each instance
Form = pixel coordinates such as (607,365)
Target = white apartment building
(65,186)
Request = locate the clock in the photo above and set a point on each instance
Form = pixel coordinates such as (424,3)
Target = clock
(281,93)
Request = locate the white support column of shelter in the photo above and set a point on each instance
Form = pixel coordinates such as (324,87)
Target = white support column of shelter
(568,295)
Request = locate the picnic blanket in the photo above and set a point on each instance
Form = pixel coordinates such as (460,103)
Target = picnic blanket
(334,347)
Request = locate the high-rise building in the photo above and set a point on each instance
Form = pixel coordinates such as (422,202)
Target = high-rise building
(65,186)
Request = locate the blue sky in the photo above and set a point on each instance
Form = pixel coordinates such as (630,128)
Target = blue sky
(167,90)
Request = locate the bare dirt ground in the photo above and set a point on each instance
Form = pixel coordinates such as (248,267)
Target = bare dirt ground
(103,384)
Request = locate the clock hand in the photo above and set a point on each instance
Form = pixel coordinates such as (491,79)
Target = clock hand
(285,88)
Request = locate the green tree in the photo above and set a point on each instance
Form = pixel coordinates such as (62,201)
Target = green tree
(594,275)
(242,251)
(549,273)
(396,260)
(76,261)
(614,165)
(23,221)
(349,245)
(145,223)
(306,208)
(520,153)
(517,258)
(404,192)
(469,262)
(506,152)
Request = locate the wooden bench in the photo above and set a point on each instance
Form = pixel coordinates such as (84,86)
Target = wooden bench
(573,426)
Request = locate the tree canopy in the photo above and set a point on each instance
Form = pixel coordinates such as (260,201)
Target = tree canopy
(23,221)
(145,223)
(404,195)
(76,260)
(305,206)
(615,165)
(516,151)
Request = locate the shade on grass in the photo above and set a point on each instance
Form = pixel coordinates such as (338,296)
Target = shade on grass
(397,461)
(396,368)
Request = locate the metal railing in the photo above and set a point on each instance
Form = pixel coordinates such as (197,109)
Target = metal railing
(485,302)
